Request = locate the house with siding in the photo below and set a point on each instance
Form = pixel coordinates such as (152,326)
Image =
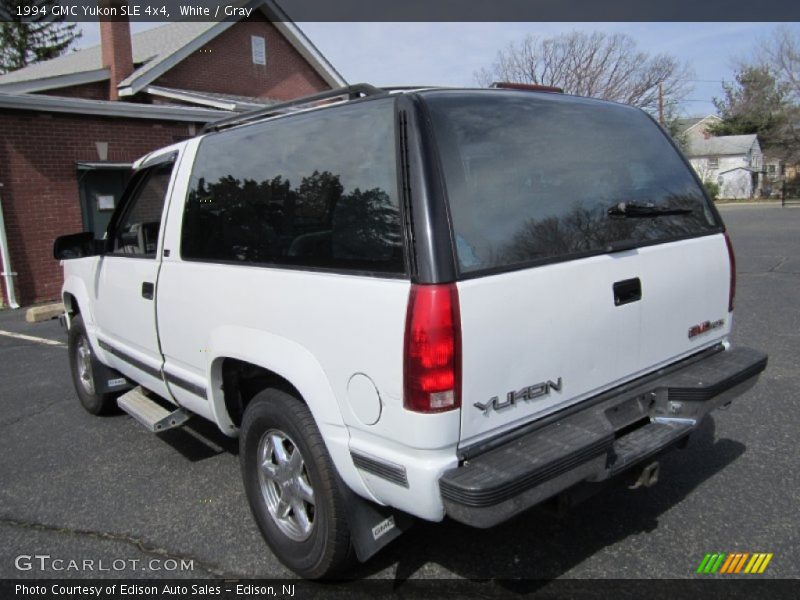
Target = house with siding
(693,128)
(734,162)
(73,125)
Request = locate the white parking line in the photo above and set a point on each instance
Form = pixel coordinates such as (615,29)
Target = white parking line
(32,338)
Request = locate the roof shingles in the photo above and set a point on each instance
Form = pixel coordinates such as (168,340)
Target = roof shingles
(155,51)
(152,45)
(722,145)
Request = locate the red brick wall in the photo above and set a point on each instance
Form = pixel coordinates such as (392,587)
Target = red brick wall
(93,91)
(225,65)
(38,152)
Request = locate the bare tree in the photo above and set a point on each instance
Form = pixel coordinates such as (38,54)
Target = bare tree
(601,65)
(780,53)
(781,50)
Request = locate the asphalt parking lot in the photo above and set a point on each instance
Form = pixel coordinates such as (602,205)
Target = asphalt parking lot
(80,487)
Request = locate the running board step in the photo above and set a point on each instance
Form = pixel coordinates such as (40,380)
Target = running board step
(149,413)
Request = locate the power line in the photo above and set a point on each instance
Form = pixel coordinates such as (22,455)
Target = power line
(705,80)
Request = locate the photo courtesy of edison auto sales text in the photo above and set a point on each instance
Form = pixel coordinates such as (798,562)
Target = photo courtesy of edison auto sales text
(127,589)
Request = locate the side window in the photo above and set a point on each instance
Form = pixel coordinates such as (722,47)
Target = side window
(312,190)
(137,231)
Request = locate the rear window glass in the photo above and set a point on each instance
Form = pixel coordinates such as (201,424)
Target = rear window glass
(531,178)
(312,190)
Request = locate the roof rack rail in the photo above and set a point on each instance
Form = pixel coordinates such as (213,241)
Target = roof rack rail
(403,88)
(351,91)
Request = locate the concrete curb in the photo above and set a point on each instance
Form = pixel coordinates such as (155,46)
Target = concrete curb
(732,205)
(760,203)
(44,312)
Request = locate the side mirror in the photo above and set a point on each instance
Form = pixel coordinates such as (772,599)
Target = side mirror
(77,245)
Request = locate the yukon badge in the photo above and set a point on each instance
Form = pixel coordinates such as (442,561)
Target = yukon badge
(531,392)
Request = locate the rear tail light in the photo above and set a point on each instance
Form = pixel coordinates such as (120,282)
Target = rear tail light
(432,363)
(732,260)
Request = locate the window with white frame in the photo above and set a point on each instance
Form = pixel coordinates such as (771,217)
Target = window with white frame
(259,47)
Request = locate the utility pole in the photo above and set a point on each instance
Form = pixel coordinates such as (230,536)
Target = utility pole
(661,103)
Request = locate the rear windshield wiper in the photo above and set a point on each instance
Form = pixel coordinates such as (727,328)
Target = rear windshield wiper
(631,210)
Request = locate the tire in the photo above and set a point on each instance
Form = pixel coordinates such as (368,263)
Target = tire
(81,357)
(295,501)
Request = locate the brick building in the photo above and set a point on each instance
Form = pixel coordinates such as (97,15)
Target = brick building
(71,127)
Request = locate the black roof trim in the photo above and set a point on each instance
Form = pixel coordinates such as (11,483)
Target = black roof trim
(352,92)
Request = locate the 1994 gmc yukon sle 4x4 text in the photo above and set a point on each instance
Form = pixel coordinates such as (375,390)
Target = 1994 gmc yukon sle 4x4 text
(417,303)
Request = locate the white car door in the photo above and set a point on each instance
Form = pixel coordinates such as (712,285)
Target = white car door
(128,274)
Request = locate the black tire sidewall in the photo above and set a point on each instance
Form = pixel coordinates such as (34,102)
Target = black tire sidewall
(275,409)
(95,404)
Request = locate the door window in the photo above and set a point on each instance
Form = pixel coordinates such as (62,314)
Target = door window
(137,231)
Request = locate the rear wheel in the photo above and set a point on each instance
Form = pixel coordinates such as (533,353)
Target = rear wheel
(292,487)
(81,359)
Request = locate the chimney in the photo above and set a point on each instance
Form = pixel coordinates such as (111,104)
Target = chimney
(115,44)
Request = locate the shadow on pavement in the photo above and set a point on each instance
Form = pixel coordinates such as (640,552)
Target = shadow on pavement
(200,439)
(524,553)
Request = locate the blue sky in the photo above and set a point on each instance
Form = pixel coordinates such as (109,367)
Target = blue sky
(450,53)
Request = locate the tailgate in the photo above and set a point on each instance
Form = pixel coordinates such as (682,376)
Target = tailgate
(539,339)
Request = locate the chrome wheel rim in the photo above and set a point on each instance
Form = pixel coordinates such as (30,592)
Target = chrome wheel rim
(84,365)
(285,486)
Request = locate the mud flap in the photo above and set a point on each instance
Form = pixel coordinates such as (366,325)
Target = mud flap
(107,380)
(371,526)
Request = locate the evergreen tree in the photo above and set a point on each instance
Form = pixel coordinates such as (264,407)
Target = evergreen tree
(28,40)
(756,103)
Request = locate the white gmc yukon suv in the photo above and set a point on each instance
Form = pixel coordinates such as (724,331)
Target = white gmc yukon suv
(418,303)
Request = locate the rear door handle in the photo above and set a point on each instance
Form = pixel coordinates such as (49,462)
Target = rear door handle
(627,291)
(148,290)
